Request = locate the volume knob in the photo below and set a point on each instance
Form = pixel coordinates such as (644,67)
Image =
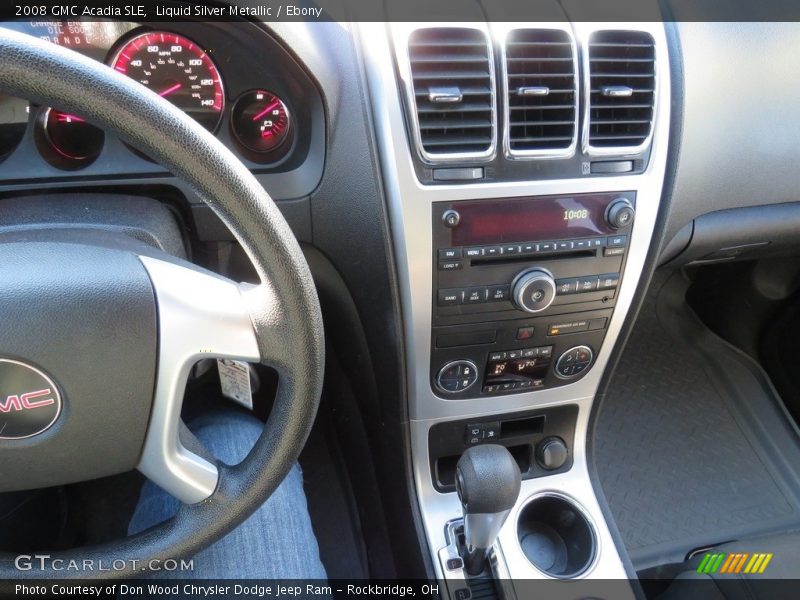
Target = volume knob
(534,290)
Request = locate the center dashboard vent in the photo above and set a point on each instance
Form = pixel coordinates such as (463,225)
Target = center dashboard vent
(622,81)
(541,92)
(452,73)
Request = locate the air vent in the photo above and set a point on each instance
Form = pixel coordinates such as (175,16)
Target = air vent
(453,85)
(541,89)
(622,82)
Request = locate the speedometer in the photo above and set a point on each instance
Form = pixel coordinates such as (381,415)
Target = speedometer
(177,69)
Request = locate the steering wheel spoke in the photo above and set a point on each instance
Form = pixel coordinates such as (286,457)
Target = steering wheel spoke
(199,316)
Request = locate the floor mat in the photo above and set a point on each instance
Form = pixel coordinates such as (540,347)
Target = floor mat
(692,445)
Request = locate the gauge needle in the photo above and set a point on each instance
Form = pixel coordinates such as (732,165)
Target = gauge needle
(65,118)
(266,110)
(170,89)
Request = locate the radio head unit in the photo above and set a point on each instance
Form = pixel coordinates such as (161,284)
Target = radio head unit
(524,289)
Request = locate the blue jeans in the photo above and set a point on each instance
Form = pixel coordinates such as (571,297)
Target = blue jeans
(276,542)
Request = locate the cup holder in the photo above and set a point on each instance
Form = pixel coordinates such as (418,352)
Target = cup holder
(556,536)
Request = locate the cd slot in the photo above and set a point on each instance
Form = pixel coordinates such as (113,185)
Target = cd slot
(518,258)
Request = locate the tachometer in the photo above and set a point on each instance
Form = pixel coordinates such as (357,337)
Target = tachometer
(177,69)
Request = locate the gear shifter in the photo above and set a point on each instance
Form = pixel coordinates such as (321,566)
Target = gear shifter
(487,482)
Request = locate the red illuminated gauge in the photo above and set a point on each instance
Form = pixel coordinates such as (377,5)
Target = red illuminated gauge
(177,69)
(260,121)
(67,141)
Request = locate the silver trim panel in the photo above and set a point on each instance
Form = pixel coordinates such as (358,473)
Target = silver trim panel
(199,316)
(409,204)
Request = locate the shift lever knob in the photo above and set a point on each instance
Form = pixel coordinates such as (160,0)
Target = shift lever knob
(487,482)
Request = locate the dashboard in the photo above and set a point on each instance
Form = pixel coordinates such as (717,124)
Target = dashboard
(234,79)
(479,227)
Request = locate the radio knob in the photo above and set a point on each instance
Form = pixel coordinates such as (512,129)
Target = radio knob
(533,291)
(620,213)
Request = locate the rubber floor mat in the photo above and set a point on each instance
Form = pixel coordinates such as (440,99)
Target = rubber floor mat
(692,445)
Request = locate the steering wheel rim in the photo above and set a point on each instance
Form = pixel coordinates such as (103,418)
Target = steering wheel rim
(284,309)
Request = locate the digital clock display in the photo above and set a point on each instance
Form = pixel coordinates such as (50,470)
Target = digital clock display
(576,215)
(531,219)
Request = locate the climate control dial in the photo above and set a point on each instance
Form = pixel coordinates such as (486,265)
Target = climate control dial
(574,362)
(534,290)
(457,376)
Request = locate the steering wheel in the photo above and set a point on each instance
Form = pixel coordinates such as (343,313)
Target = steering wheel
(100,337)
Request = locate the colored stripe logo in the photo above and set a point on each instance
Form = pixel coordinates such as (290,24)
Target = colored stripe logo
(734,562)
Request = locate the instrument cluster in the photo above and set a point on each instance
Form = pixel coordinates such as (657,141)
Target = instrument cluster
(247,100)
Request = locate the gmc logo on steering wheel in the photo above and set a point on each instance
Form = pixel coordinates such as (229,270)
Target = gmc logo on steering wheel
(27,401)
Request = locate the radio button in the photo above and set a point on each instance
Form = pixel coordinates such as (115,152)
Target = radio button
(527,248)
(449,297)
(451,265)
(513,249)
(498,293)
(448,253)
(587,284)
(609,282)
(547,247)
(613,251)
(560,246)
(476,295)
(492,251)
(473,252)
(566,286)
(580,244)
(617,240)
(597,242)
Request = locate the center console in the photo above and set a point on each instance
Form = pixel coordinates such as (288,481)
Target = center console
(522,182)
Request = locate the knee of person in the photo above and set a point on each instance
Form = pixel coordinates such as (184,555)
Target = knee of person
(228,435)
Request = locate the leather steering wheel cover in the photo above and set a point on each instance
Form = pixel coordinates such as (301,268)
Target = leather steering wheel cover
(287,307)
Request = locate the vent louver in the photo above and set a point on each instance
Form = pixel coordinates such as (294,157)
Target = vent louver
(453,87)
(541,90)
(622,82)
